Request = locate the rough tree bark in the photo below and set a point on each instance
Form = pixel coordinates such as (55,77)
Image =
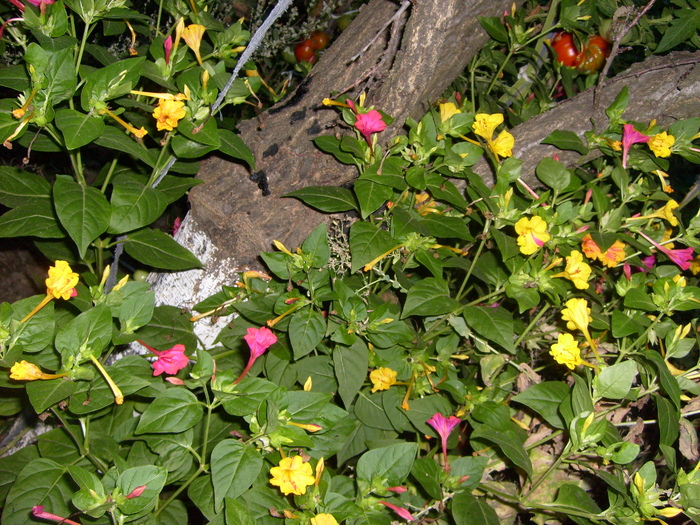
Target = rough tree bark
(406,68)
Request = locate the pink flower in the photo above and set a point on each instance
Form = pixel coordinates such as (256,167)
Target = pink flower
(136,492)
(397,490)
(38,512)
(170,361)
(443,426)
(630,136)
(370,122)
(177,222)
(259,340)
(399,510)
(681,257)
(168,48)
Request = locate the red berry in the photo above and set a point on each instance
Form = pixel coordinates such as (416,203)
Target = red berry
(304,52)
(319,40)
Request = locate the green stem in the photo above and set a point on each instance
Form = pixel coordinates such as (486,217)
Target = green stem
(108,177)
(182,487)
(99,464)
(205,441)
(158,166)
(500,70)
(81,50)
(551,469)
(532,323)
(459,295)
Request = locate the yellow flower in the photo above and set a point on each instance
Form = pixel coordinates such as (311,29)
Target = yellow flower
(25,371)
(168,113)
(485,125)
(679,280)
(192,35)
(576,270)
(590,248)
(503,145)
(138,133)
(447,110)
(577,315)
(666,212)
(532,234)
(323,519)
(566,351)
(61,281)
(382,378)
(292,476)
(660,144)
(613,255)
(695,265)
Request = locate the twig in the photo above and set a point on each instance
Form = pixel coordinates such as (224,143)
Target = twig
(397,15)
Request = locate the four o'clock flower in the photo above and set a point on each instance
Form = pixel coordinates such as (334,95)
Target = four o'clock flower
(681,257)
(259,340)
(367,123)
(630,136)
(60,285)
(443,426)
(168,48)
(170,361)
(532,234)
(39,512)
(405,514)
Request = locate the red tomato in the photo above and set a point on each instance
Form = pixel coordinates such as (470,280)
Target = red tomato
(305,52)
(319,40)
(592,57)
(565,48)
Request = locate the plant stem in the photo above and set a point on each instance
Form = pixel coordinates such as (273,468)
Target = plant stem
(476,258)
(182,487)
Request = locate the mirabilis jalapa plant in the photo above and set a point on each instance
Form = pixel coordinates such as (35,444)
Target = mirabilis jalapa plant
(396,373)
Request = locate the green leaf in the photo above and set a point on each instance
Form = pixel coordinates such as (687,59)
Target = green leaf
(371,196)
(328,199)
(316,244)
(669,384)
(83,211)
(174,410)
(470,510)
(509,441)
(19,186)
(306,330)
(331,145)
(158,249)
(14,77)
(566,140)
(85,335)
(446,227)
(575,498)
(78,128)
(668,417)
(545,398)
(136,311)
(553,174)
(614,382)
(429,296)
(11,466)
(237,513)
(45,394)
(110,82)
(35,218)
(134,205)
(169,324)
(494,27)
(233,146)
(429,475)
(370,411)
(118,140)
(234,467)
(189,149)
(41,482)
(680,29)
(350,366)
(153,477)
(422,409)
(368,242)
(207,134)
(392,463)
(494,324)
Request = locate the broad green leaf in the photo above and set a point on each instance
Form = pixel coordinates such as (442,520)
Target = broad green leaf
(306,330)
(331,145)
(669,384)
(136,311)
(87,334)
(14,77)
(566,140)
(42,482)
(201,493)
(429,296)
(306,406)
(574,497)
(233,146)
(493,324)
(172,188)
(545,398)
(153,477)
(668,417)
(234,467)
(57,444)
(168,326)
(682,28)
(470,510)
(36,218)
(328,199)
(494,27)
(78,128)
(350,365)
(110,82)
(116,139)
(614,382)
(422,409)
(158,249)
(509,441)
(371,196)
(206,134)
(45,394)
(369,409)
(392,463)
(316,244)
(11,466)
(237,513)
(553,174)
(134,206)
(83,211)
(189,149)
(445,227)
(368,242)
(19,186)
(174,410)
(38,332)
(429,475)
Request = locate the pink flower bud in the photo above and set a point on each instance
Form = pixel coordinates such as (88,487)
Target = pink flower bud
(136,492)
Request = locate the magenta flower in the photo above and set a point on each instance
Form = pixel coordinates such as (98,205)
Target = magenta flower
(38,512)
(170,361)
(259,340)
(630,136)
(369,123)
(136,492)
(399,510)
(443,426)
(681,257)
(168,48)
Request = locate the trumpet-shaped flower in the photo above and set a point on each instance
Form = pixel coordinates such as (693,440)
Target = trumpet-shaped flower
(168,114)
(576,270)
(382,378)
(590,248)
(443,426)
(192,35)
(660,144)
(681,257)
(630,136)
(39,512)
(259,340)
(292,476)
(613,255)
(665,212)
(532,234)
(170,361)
(402,512)
(503,145)
(25,371)
(323,519)
(61,281)
(369,123)
(577,315)
(485,125)
(447,110)
(566,351)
